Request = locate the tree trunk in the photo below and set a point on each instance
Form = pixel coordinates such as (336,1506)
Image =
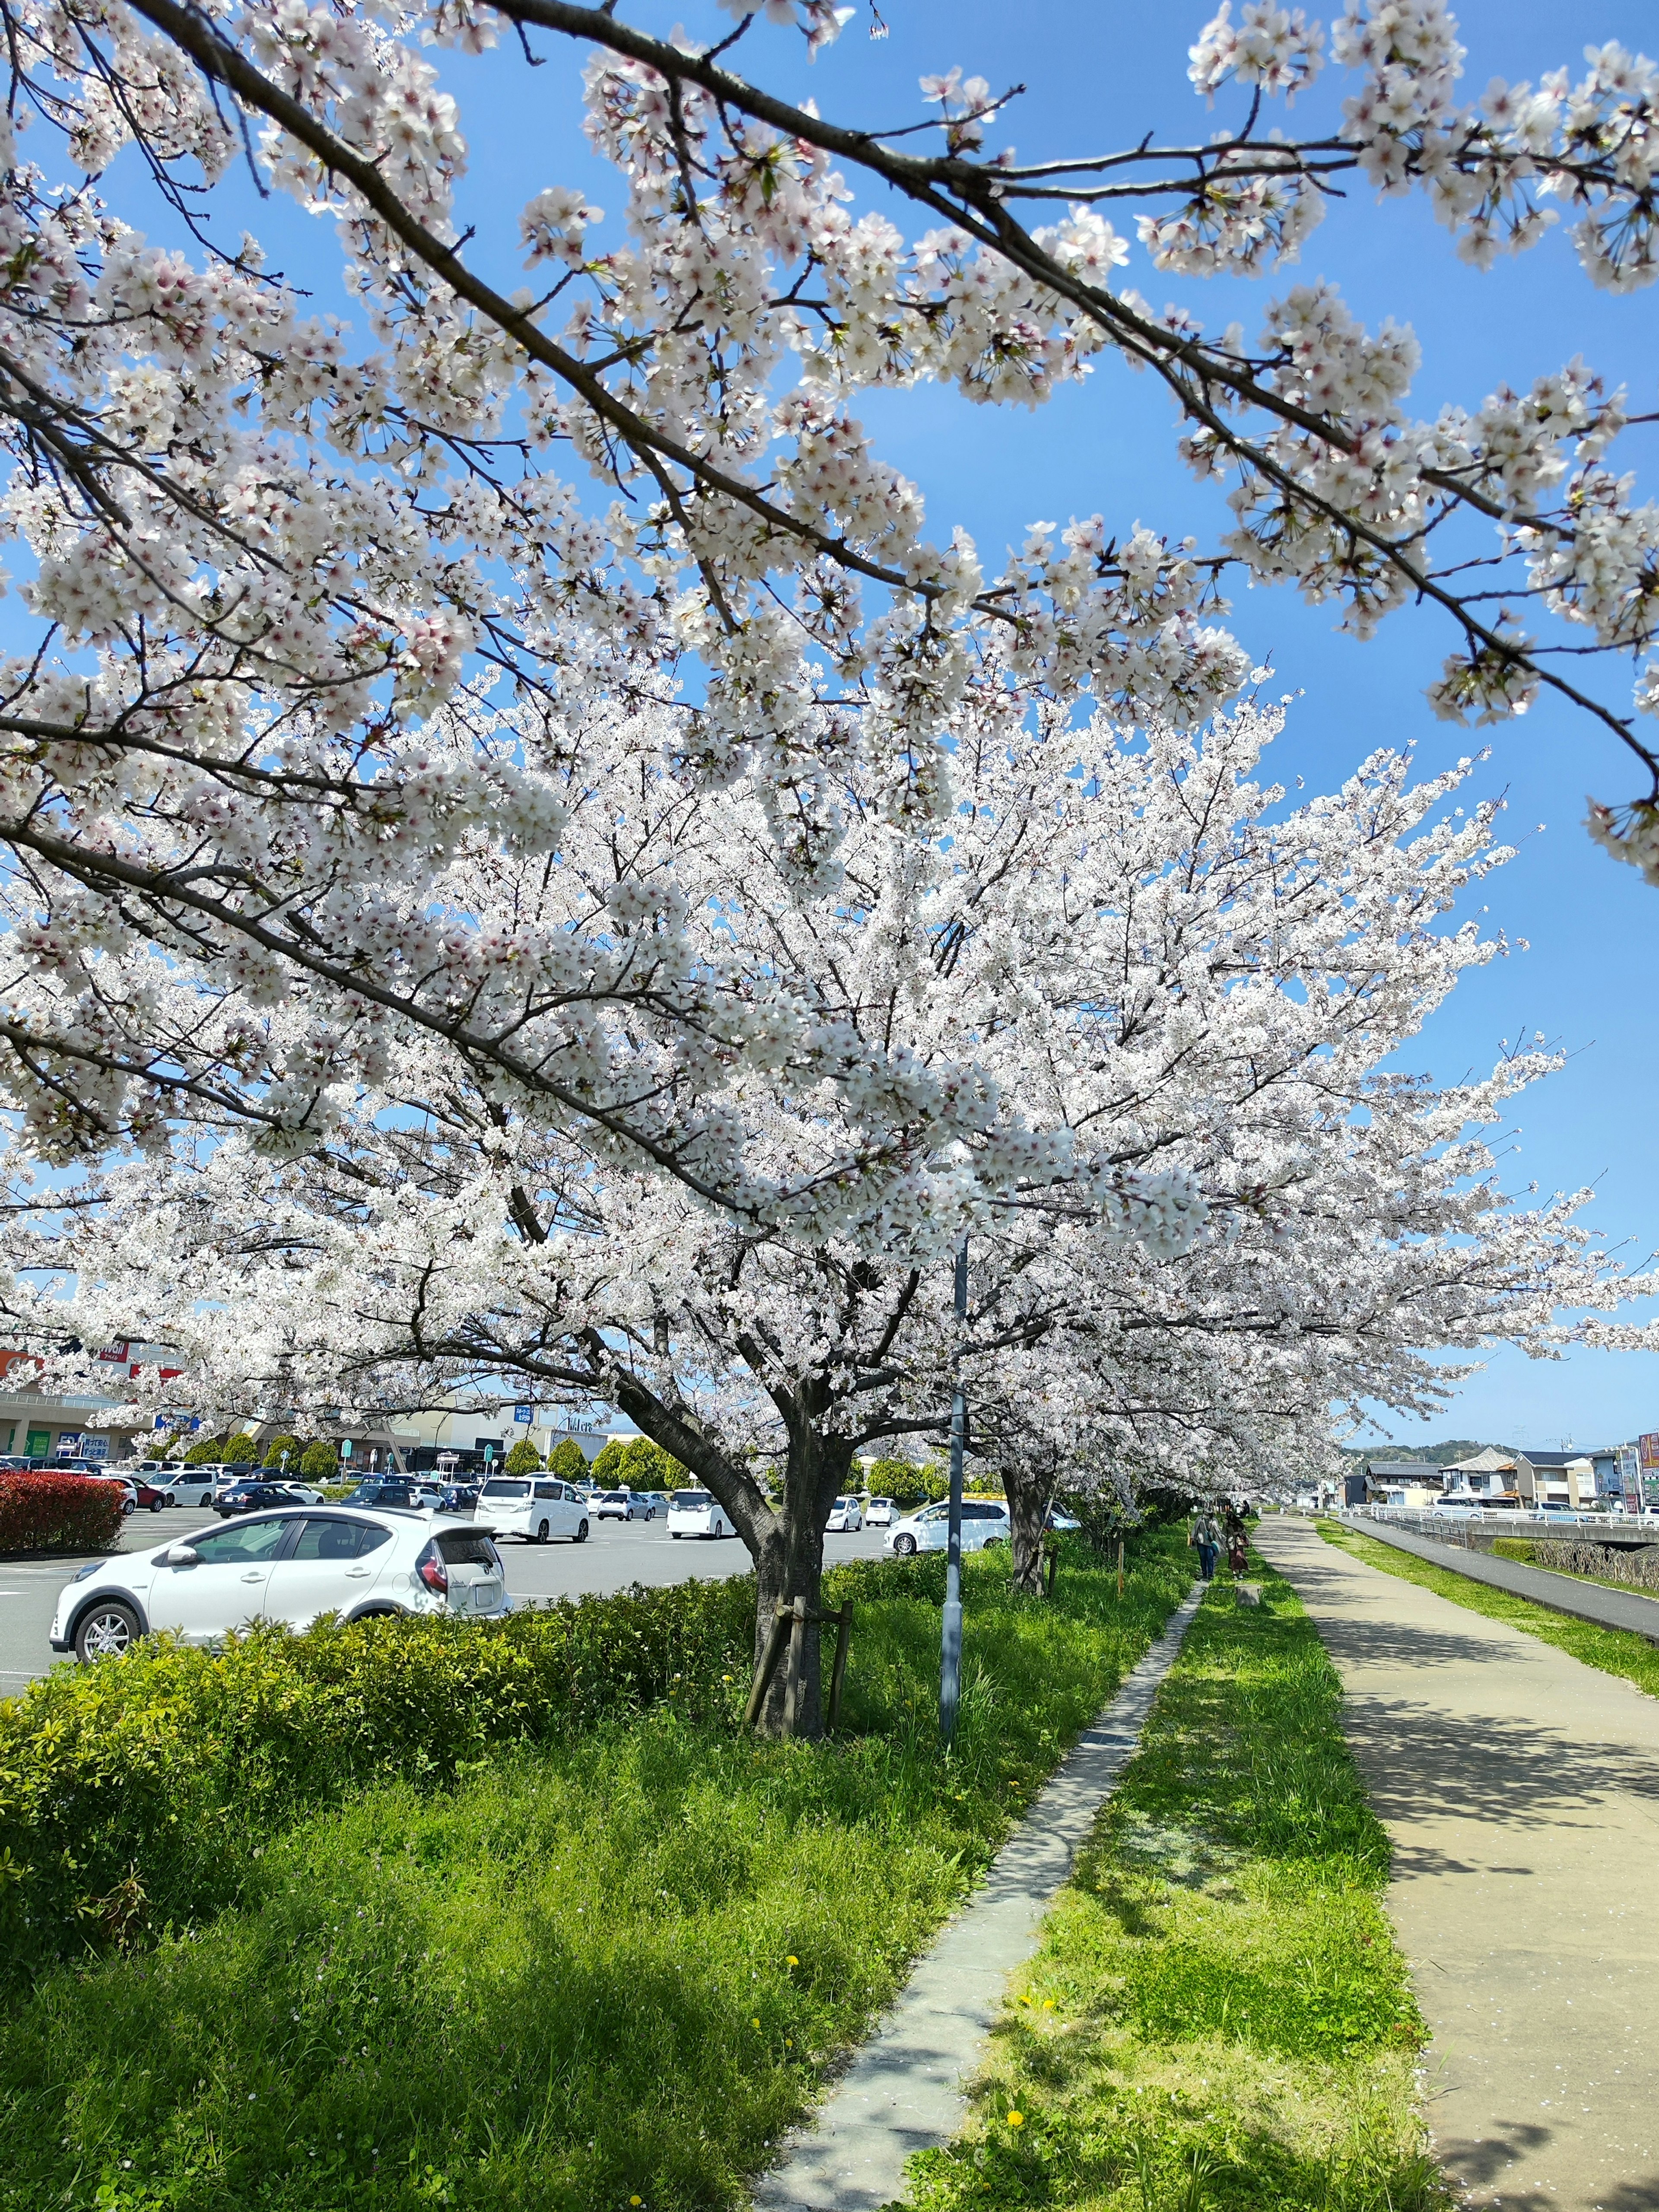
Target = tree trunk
(1028,1497)
(789,1564)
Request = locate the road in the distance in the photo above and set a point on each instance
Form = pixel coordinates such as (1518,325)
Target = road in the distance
(615,1554)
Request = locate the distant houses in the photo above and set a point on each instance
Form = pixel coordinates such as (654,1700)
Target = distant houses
(1580,1481)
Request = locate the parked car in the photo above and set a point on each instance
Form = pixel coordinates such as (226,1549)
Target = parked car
(881,1513)
(846,1518)
(459,1496)
(1063,1524)
(154,1495)
(188,1485)
(650,1504)
(984,1521)
(395,1490)
(616,1505)
(694,1513)
(291,1566)
(536,1507)
(258,1497)
(129,1488)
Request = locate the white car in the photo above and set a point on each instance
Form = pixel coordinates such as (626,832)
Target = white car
(846,1518)
(292,1566)
(694,1513)
(881,1513)
(620,1505)
(537,1507)
(984,1521)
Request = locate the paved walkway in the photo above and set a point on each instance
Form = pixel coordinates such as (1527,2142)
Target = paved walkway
(1607,1608)
(905,2091)
(1521,1790)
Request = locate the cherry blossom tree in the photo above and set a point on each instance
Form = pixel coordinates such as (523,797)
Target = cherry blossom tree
(1200,1208)
(309,606)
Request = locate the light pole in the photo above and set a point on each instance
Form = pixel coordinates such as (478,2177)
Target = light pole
(949,1671)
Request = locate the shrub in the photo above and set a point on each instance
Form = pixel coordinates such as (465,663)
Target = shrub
(201,1453)
(906,1482)
(320,1462)
(156,1777)
(58,1513)
(523,1459)
(567,1461)
(608,1467)
(239,1450)
(277,1446)
(647,1466)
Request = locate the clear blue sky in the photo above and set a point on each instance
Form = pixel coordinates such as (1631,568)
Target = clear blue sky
(1100,74)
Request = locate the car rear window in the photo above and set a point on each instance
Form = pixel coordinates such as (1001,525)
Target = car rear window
(691,1499)
(467,1547)
(507,1490)
(373,1538)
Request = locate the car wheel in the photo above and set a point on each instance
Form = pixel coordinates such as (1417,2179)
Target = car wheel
(130,1505)
(105,1632)
(543,1532)
(905,1547)
(156,1503)
(581,1531)
(675,1534)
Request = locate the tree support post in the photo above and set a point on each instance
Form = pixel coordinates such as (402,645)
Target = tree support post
(789,1625)
(950,1670)
(843,1621)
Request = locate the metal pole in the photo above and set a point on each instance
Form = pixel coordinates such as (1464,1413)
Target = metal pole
(949,1671)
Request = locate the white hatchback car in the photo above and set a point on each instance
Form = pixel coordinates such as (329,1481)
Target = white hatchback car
(881,1513)
(292,1565)
(694,1513)
(983,1522)
(537,1507)
(846,1518)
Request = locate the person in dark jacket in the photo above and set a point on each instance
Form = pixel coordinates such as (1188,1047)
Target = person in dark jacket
(1206,1538)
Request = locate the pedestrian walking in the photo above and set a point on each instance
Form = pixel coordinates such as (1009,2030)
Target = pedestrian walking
(1206,1539)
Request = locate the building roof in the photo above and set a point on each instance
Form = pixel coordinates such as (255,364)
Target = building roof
(1488,1461)
(1401,1470)
(1554,1458)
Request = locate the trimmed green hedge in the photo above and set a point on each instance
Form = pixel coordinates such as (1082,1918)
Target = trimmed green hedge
(136,1790)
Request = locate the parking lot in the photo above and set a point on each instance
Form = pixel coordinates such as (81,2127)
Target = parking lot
(616,1554)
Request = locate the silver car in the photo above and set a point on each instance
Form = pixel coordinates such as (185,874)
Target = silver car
(292,1566)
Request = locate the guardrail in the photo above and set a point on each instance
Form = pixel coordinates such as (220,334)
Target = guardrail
(1456,1525)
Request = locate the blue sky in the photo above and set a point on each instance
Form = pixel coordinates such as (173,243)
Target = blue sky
(1100,74)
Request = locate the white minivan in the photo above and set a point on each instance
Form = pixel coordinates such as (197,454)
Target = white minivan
(984,1521)
(694,1513)
(537,1507)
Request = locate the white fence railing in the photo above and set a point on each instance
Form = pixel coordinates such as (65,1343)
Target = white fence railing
(1452,1525)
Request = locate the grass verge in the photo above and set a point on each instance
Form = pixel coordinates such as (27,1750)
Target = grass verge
(1217,2017)
(606,1970)
(1613,1650)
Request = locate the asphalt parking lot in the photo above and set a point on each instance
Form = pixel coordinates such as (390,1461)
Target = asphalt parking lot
(615,1554)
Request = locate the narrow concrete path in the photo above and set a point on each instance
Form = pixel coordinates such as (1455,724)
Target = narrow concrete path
(1607,1608)
(906,2090)
(1521,1790)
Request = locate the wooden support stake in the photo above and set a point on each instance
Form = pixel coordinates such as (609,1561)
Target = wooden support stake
(795,1678)
(843,1643)
(1120,1567)
(781,1622)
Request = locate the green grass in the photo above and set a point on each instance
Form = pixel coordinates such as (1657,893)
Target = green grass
(1218,2016)
(1613,1650)
(610,1967)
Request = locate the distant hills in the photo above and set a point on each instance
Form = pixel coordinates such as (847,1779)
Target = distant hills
(1441,1454)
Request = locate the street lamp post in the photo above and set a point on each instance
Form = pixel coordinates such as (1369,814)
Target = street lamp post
(950,1672)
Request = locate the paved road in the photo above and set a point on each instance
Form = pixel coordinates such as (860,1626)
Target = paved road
(1584,1601)
(616,1554)
(1521,1792)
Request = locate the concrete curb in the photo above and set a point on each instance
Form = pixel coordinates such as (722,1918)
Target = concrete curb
(905,2089)
(1591,1601)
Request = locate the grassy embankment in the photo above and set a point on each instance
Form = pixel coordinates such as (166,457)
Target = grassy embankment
(1217,2017)
(1614,1651)
(604,1969)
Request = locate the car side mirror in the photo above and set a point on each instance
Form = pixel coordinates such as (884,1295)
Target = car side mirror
(181,1555)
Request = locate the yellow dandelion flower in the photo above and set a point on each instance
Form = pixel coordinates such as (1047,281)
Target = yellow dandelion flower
(793,1960)
(1048,2004)
(755,2022)
(636,2200)
(1016,2119)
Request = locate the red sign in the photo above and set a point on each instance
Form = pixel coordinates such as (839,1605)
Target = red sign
(1647,1451)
